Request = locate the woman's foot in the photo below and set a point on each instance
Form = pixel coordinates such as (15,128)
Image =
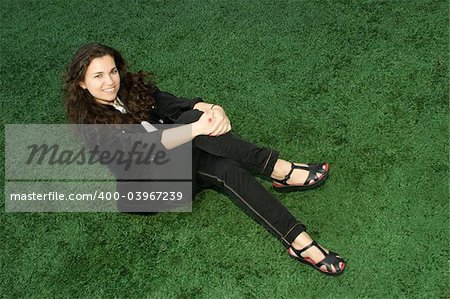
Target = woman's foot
(289,176)
(307,251)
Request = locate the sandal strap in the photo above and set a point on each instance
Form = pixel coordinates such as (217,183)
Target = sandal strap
(288,176)
(312,176)
(330,259)
(314,169)
(300,251)
(317,168)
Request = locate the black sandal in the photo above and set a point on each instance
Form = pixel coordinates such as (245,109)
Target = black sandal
(331,258)
(314,169)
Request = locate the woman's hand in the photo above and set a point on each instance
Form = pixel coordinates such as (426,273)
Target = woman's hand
(203,126)
(213,122)
(220,122)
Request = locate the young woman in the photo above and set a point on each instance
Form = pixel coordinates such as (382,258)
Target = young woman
(99,90)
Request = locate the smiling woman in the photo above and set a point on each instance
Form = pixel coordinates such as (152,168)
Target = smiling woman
(91,74)
(102,79)
(99,90)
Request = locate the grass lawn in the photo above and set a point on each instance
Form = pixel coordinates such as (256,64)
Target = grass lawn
(361,84)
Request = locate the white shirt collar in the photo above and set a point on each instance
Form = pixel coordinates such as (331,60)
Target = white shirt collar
(118,104)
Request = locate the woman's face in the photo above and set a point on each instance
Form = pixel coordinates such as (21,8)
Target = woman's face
(102,79)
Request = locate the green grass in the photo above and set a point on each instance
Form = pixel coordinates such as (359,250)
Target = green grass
(361,84)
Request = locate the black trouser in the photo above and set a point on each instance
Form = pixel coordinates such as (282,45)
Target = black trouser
(225,162)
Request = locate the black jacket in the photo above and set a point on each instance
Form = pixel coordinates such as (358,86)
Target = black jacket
(169,107)
(123,138)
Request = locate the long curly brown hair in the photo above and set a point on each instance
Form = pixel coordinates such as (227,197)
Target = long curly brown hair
(137,90)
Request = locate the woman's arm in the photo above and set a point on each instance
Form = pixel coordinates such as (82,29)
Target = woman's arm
(171,106)
(174,137)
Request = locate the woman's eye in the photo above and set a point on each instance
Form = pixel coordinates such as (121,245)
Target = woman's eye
(97,76)
(114,71)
